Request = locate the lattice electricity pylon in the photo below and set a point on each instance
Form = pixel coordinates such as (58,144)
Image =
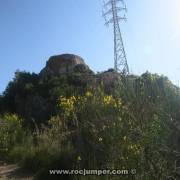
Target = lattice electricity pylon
(113,12)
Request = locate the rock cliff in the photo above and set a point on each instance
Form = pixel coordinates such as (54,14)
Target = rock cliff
(65,63)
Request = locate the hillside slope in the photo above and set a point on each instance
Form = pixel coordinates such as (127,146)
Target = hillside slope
(69,117)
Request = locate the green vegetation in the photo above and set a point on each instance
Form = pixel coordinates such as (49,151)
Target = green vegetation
(87,121)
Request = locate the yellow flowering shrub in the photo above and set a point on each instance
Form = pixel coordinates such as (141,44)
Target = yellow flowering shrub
(103,122)
(10,128)
(67,103)
(73,104)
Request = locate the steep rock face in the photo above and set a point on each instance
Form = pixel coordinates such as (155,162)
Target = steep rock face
(65,63)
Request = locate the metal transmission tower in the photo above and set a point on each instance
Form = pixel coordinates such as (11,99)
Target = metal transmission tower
(113,12)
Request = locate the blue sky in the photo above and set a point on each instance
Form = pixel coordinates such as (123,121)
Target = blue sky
(33,30)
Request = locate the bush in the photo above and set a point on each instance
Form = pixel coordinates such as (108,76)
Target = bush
(126,130)
(97,131)
(10,132)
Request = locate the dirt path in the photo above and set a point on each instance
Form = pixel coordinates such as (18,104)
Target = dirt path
(13,172)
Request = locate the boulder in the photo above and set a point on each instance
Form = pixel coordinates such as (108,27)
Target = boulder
(65,63)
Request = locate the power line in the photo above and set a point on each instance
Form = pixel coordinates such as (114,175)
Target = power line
(114,12)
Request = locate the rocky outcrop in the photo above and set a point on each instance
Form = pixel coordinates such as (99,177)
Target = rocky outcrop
(65,63)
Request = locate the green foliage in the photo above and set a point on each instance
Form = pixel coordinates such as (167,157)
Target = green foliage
(97,131)
(10,132)
(104,121)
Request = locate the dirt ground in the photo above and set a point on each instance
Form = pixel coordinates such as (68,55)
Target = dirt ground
(13,172)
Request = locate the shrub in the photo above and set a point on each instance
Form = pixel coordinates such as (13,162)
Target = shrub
(10,132)
(100,131)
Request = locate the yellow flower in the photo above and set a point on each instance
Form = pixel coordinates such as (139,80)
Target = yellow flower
(89,94)
(100,139)
(79,158)
(125,138)
(108,100)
